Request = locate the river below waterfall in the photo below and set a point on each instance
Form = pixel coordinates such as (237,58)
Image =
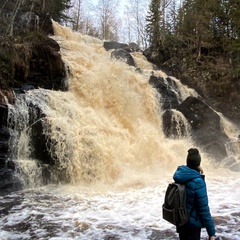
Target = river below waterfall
(107,138)
(128,212)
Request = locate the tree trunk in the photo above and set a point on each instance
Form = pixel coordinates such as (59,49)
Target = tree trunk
(43,5)
(15,11)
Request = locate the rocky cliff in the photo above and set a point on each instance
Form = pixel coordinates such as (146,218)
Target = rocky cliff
(29,59)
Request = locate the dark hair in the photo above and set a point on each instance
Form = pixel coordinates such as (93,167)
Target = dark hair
(193,158)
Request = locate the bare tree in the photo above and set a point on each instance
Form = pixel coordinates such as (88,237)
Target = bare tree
(77,14)
(43,5)
(3,5)
(107,14)
(9,31)
(135,15)
(128,26)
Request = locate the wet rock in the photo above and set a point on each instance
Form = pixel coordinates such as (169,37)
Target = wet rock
(3,118)
(123,55)
(6,96)
(6,172)
(174,124)
(47,69)
(114,45)
(148,54)
(207,131)
(39,143)
(133,47)
(168,91)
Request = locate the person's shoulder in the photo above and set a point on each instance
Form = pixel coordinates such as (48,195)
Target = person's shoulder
(199,181)
(181,167)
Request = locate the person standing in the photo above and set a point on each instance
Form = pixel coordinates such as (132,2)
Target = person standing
(196,198)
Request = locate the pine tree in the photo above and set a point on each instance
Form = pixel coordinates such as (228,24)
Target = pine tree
(234,35)
(56,9)
(153,23)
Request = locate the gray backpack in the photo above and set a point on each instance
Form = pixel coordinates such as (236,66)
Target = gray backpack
(174,207)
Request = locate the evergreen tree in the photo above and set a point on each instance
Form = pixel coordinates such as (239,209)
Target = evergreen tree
(56,9)
(153,23)
(234,35)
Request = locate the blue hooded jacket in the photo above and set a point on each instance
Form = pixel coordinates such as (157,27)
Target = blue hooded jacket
(197,199)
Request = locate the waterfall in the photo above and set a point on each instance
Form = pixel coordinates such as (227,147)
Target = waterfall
(21,117)
(106,129)
(232,146)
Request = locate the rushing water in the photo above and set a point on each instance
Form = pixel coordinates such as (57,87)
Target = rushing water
(108,138)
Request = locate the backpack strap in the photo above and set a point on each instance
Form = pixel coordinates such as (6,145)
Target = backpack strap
(182,197)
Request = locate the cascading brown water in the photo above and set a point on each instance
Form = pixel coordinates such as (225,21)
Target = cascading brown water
(107,127)
(109,120)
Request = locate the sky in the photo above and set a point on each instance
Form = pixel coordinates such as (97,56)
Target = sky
(126,24)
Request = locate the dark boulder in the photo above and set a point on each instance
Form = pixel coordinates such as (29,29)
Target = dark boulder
(148,54)
(34,61)
(134,47)
(124,56)
(169,95)
(174,124)
(47,69)
(207,130)
(6,96)
(114,45)
(6,169)
(40,143)
(4,135)
(3,114)
(27,62)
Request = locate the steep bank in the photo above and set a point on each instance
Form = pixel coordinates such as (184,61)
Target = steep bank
(212,74)
(216,85)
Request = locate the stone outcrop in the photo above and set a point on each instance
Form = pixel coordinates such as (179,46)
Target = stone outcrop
(36,62)
(114,45)
(168,90)
(123,55)
(174,124)
(6,167)
(28,61)
(46,68)
(122,51)
(206,127)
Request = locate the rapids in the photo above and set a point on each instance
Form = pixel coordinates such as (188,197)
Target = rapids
(108,137)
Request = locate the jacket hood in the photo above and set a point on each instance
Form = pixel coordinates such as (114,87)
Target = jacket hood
(185,174)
